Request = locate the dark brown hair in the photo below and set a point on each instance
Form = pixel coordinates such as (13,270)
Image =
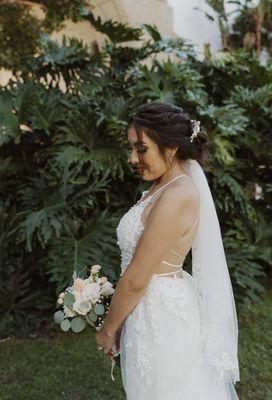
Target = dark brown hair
(169,126)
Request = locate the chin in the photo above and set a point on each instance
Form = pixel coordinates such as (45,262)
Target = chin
(147,177)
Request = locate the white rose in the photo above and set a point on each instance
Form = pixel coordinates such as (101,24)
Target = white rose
(95,268)
(78,296)
(78,284)
(60,300)
(107,289)
(82,307)
(68,312)
(91,292)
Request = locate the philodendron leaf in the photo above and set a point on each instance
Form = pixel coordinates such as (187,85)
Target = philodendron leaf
(58,316)
(78,324)
(65,325)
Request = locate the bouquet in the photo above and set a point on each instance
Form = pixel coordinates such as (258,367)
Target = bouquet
(84,303)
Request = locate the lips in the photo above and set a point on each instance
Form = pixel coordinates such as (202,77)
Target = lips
(140,169)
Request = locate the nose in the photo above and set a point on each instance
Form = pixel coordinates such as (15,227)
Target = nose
(133,158)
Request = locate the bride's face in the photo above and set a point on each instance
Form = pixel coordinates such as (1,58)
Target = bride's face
(152,164)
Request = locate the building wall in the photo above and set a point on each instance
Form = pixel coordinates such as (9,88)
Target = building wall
(193,25)
(157,12)
(131,12)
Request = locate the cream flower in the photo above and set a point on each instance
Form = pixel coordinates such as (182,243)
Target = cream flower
(107,289)
(68,312)
(95,268)
(103,279)
(91,292)
(78,284)
(82,307)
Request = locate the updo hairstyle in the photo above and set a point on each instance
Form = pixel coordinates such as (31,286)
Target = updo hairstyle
(169,126)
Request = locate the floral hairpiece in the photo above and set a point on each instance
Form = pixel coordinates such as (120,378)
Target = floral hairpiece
(196,129)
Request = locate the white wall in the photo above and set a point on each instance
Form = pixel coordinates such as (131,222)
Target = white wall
(194,25)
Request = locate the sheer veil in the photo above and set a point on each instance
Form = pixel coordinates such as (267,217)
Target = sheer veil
(219,327)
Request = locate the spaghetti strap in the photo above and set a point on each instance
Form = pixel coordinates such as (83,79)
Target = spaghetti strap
(167,183)
(194,224)
(177,254)
(143,202)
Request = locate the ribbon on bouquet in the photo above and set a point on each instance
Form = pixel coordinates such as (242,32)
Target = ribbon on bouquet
(113,354)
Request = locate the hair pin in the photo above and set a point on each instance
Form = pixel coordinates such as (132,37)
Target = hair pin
(196,129)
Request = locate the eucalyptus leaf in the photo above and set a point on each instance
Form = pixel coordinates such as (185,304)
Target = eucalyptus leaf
(92,316)
(78,324)
(58,316)
(69,299)
(65,325)
(90,322)
(99,309)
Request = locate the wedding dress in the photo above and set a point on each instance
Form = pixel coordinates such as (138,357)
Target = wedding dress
(160,338)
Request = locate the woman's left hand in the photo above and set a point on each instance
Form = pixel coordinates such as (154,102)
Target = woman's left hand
(105,340)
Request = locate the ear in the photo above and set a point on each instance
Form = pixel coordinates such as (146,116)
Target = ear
(172,152)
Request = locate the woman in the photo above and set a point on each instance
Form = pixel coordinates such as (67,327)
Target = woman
(177,333)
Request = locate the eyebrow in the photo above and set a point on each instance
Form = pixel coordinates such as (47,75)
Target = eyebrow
(139,142)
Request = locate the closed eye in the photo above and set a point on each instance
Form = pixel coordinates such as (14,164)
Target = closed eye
(142,150)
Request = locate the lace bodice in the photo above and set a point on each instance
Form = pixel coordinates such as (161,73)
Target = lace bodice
(129,230)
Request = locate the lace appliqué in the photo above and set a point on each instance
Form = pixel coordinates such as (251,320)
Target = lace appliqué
(176,305)
(150,301)
(223,364)
(128,233)
(144,363)
(173,299)
(139,353)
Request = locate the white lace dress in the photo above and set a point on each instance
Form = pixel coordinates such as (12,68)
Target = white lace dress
(159,345)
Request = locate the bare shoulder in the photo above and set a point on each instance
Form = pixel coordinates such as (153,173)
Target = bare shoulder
(181,193)
(179,198)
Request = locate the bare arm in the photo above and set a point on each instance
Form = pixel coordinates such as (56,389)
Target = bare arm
(169,219)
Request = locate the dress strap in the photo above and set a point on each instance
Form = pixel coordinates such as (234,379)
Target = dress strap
(177,254)
(194,224)
(167,183)
(174,265)
(169,273)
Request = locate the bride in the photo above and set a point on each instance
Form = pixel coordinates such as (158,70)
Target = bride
(176,332)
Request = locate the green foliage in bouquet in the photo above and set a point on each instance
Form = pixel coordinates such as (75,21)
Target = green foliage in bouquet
(65,180)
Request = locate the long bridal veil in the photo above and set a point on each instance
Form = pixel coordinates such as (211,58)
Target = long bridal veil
(219,327)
